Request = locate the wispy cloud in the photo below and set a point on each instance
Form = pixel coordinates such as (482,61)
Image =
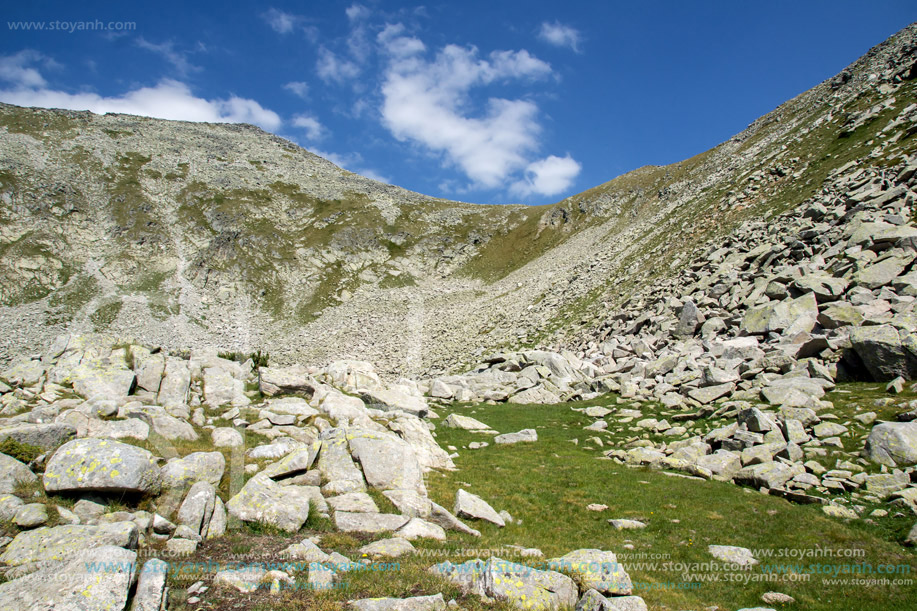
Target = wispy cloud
(560,35)
(298,88)
(357,12)
(19,68)
(166,50)
(281,21)
(336,69)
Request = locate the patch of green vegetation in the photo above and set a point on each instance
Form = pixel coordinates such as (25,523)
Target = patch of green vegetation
(161,309)
(105,315)
(397,282)
(259,358)
(40,124)
(131,210)
(23,452)
(149,281)
(117,133)
(154,174)
(181,174)
(683,516)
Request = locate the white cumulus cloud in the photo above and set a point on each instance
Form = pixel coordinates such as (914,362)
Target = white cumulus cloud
(560,35)
(169,99)
(548,176)
(314,130)
(427,102)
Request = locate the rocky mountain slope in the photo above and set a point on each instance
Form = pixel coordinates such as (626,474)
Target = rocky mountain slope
(187,235)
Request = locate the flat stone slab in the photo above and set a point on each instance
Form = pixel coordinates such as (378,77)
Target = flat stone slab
(356,502)
(733,555)
(525,435)
(368,522)
(71,585)
(59,542)
(388,548)
(416,603)
(473,507)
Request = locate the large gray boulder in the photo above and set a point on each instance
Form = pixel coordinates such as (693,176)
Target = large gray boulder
(336,465)
(102,465)
(151,586)
(688,320)
(790,317)
(91,580)
(221,388)
(415,432)
(396,398)
(261,500)
(473,507)
(197,508)
(176,383)
(286,380)
(535,395)
(893,443)
(593,601)
(595,569)
(13,472)
(182,473)
(467,423)
(102,378)
(46,436)
(883,352)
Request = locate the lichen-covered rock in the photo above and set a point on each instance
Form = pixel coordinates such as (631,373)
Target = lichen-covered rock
(388,462)
(59,542)
(473,507)
(13,472)
(262,500)
(596,569)
(151,586)
(893,444)
(46,436)
(93,579)
(519,584)
(195,467)
(102,465)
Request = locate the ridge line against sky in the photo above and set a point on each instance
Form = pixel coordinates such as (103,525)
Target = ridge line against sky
(492,102)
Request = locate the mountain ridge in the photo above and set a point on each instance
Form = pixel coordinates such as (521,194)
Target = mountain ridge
(185,234)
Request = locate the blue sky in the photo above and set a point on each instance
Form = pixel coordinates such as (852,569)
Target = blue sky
(491,102)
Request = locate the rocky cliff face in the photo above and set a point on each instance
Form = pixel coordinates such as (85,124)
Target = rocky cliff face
(195,235)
